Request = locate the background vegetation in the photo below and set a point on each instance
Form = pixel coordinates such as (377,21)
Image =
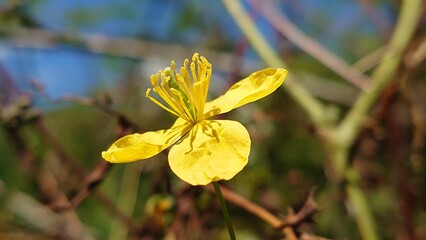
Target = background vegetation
(338,152)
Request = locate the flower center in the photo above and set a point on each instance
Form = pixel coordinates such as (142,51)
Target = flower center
(183,94)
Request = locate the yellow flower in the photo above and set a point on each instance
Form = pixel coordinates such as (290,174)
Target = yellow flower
(204,150)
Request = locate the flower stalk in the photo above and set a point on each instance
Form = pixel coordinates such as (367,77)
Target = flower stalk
(224,210)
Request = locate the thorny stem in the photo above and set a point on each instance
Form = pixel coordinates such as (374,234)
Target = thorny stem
(224,210)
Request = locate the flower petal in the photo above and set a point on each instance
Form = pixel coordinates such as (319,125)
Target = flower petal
(258,85)
(137,146)
(213,150)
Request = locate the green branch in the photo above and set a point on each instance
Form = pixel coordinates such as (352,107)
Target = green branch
(406,25)
(349,128)
(312,106)
(364,219)
(339,139)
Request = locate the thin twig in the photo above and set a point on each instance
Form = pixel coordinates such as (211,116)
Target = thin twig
(370,60)
(286,225)
(314,108)
(81,173)
(309,209)
(249,206)
(93,179)
(417,56)
(103,105)
(72,226)
(66,159)
(407,23)
(24,153)
(283,25)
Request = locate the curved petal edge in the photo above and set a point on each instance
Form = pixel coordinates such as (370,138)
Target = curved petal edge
(213,150)
(137,146)
(256,86)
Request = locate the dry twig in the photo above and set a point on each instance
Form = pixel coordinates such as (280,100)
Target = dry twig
(287,224)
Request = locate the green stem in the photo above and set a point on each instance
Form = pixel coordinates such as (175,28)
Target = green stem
(349,128)
(404,30)
(312,106)
(340,138)
(359,205)
(224,210)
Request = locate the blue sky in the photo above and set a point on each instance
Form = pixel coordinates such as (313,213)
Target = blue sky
(72,70)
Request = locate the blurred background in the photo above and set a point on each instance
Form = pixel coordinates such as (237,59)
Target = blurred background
(73,76)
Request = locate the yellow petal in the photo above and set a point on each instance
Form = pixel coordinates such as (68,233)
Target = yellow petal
(137,146)
(213,150)
(258,85)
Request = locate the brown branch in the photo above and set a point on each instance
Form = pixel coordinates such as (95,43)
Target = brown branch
(21,149)
(283,25)
(25,152)
(249,206)
(66,159)
(310,208)
(72,228)
(90,188)
(91,182)
(103,104)
(412,89)
(95,177)
(417,56)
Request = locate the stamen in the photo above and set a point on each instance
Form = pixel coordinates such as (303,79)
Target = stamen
(185,93)
(167,97)
(158,103)
(171,100)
